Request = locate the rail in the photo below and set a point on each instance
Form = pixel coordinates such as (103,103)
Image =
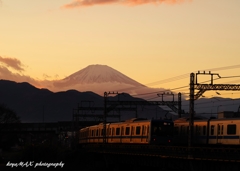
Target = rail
(228,154)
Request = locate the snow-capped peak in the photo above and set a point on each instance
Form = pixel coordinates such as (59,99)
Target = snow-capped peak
(100,74)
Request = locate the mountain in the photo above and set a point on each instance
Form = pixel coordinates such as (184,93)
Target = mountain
(37,105)
(99,74)
(100,79)
(34,105)
(41,105)
(56,101)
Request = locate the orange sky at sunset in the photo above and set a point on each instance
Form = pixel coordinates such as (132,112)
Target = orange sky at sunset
(157,43)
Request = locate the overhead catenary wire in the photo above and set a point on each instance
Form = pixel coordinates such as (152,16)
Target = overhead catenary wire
(183,76)
(177,88)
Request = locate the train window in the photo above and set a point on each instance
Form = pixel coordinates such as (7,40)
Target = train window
(127,130)
(231,129)
(138,130)
(101,131)
(222,129)
(212,130)
(97,133)
(117,131)
(204,130)
(92,133)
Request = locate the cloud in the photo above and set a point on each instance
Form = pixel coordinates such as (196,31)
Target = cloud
(8,75)
(7,63)
(13,63)
(82,3)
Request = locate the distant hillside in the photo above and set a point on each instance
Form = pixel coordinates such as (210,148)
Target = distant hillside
(32,104)
(38,105)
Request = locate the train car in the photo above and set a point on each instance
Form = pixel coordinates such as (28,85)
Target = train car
(135,131)
(224,131)
(181,131)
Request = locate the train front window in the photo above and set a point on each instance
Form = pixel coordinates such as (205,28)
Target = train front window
(162,129)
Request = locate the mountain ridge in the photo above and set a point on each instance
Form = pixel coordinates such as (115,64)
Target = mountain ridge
(42,105)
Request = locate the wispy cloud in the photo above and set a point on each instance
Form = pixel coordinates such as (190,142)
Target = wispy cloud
(6,73)
(13,63)
(84,3)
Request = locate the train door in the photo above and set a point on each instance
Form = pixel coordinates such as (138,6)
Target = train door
(122,134)
(113,133)
(142,133)
(182,139)
(131,133)
(220,133)
(138,134)
(147,133)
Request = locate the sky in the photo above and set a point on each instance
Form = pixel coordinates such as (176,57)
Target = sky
(155,42)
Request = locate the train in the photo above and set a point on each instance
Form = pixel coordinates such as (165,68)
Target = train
(135,131)
(224,131)
(212,131)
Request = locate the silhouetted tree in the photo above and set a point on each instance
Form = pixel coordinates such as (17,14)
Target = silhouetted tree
(7,116)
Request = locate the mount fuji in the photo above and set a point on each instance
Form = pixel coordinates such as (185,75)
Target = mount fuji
(99,79)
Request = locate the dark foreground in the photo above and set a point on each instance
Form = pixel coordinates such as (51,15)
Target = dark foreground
(57,157)
(54,157)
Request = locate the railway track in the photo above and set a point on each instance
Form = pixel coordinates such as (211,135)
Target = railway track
(229,154)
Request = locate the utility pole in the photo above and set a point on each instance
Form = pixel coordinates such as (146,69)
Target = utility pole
(43,114)
(105,118)
(201,89)
(171,104)
(179,105)
(191,110)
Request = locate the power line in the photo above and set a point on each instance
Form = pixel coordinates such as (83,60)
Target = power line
(215,106)
(178,78)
